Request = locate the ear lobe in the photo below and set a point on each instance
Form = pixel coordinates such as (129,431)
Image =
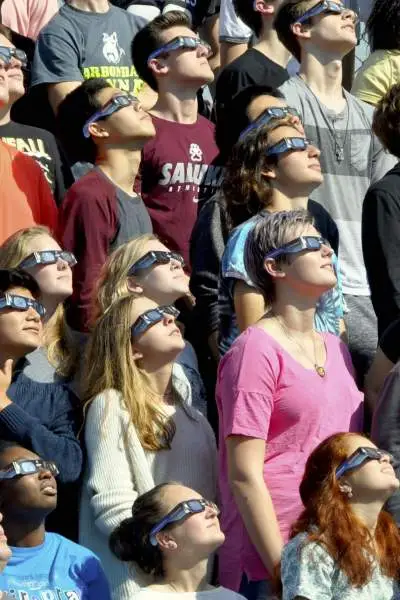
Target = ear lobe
(97,131)
(265,8)
(273,269)
(136,355)
(133,286)
(269,173)
(166,542)
(157,66)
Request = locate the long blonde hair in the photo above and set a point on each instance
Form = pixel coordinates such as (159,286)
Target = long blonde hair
(62,352)
(112,282)
(109,364)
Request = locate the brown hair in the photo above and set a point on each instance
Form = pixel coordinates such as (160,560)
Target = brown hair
(5,31)
(287,15)
(386,120)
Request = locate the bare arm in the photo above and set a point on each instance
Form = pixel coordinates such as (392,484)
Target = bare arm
(57,92)
(249,305)
(245,471)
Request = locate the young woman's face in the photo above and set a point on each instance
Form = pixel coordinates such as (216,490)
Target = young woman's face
(197,535)
(310,272)
(163,338)
(54,280)
(163,283)
(296,170)
(374,479)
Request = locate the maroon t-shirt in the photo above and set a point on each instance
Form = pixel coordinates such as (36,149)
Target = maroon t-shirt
(176,171)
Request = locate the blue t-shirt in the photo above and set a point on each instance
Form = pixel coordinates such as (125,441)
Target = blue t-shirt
(58,569)
(329,309)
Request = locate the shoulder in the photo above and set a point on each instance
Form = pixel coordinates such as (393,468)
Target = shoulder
(78,556)
(92,187)
(203,122)
(387,187)
(63,21)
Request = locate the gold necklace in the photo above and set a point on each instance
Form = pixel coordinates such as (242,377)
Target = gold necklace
(319,368)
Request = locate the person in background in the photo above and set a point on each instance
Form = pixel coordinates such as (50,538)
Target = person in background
(85,39)
(319,35)
(172,535)
(234,35)
(101,211)
(42,416)
(176,168)
(41,562)
(381,70)
(282,388)
(380,219)
(145,267)
(141,427)
(32,141)
(28,17)
(263,64)
(344,544)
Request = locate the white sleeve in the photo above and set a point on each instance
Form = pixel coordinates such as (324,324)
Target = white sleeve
(231,27)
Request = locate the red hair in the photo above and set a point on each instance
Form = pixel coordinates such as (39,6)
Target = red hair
(329,520)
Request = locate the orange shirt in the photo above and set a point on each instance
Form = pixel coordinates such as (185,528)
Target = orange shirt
(25,195)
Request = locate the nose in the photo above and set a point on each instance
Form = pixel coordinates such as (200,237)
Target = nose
(350,14)
(203,50)
(386,457)
(45,474)
(137,106)
(168,319)
(32,314)
(62,264)
(313,151)
(326,250)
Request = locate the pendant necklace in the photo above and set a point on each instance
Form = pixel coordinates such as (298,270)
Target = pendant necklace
(319,368)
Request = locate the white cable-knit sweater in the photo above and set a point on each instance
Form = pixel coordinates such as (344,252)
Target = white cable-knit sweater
(119,470)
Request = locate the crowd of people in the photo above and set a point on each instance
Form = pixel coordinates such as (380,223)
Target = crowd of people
(199,299)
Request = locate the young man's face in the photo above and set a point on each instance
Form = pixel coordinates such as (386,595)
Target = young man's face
(15,76)
(20,330)
(186,66)
(333,32)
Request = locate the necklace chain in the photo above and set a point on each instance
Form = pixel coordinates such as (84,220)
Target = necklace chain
(319,368)
(339,149)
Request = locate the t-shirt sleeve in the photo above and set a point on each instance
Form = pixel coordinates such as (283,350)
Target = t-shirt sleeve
(233,266)
(232,29)
(87,224)
(373,82)
(96,581)
(306,571)
(246,388)
(56,58)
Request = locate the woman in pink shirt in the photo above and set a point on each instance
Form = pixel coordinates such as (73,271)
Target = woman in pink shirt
(282,388)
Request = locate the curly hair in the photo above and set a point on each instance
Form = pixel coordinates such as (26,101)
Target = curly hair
(329,520)
(383,25)
(246,191)
(386,120)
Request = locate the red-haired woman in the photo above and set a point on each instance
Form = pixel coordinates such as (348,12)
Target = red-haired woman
(343,544)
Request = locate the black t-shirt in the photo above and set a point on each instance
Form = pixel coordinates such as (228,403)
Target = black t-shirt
(390,342)
(324,224)
(251,68)
(41,145)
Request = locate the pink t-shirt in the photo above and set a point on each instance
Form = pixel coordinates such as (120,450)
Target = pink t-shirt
(264,393)
(176,171)
(28,17)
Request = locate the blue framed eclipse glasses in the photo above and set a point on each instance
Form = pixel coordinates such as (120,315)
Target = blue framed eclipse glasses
(160,257)
(292,143)
(326,6)
(359,457)
(151,317)
(27,466)
(304,242)
(116,103)
(187,42)
(21,303)
(7,54)
(273,112)
(180,512)
(47,257)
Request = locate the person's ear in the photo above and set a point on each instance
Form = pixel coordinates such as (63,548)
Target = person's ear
(133,286)
(269,172)
(302,31)
(158,66)
(96,130)
(265,8)
(136,354)
(165,541)
(273,269)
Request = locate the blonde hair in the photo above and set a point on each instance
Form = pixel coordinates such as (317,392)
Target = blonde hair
(62,352)
(113,279)
(109,364)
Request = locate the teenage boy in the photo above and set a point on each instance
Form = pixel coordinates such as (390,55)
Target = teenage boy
(85,39)
(263,64)
(176,168)
(319,34)
(101,125)
(42,564)
(381,219)
(32,141)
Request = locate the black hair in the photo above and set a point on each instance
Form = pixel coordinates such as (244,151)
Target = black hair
(7,444)
(149,39)
(383,25)
(231,120)
(130,540)
(76,108)
(12,278)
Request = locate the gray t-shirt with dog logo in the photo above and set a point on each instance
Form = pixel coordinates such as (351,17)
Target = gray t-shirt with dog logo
(78,45)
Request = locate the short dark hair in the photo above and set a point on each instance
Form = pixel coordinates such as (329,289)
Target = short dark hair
(6,31)
(231,120)
(288,13)
(149,39)
(386,120)
(383,25)
(12,278)
(130,540)
(76,108)
(252,18)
